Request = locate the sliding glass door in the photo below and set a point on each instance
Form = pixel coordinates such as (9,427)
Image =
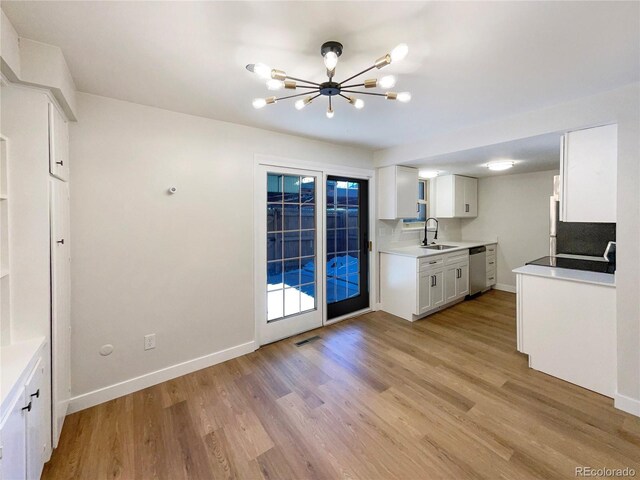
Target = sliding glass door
(347,260)
(291,222)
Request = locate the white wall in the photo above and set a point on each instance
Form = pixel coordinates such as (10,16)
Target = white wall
(514,209)
(621,106)
(143,261)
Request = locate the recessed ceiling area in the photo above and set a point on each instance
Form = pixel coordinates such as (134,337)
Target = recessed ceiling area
(468,62)
(533,154)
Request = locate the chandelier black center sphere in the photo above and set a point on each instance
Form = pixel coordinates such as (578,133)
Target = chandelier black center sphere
(331,51)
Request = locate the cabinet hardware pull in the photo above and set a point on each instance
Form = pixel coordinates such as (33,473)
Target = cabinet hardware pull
(37,394)
(434,261)
(466,207)
(491,263)
(28,407)
(61,163)
(61,242)
(433,280)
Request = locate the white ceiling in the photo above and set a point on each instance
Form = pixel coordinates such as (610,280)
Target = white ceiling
(533,154)
(468,62)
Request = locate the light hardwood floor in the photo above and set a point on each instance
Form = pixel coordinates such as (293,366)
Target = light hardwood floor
(374,398)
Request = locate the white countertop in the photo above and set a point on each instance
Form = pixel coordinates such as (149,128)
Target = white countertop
(604,279)
(14,361)
(416,251)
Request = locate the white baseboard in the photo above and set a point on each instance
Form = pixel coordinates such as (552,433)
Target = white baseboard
(627,404)
(505,287)
(116,390)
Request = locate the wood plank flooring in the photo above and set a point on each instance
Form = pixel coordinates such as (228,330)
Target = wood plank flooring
(374,398)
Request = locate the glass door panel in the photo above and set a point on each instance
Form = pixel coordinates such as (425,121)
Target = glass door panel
(347,272)
(291,245)
(290,217)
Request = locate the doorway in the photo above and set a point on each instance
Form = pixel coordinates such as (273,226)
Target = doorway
(290,268)
(347,246)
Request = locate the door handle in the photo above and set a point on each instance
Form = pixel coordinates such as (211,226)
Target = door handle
(466,207)
(37,394)
(28,407)
(61,163)
(61,242)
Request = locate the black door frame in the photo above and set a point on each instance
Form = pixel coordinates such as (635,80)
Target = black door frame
(362,301)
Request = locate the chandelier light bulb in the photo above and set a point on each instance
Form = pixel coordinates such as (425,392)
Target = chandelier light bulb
(275,84)
(399,52)
(262,70)
(404,97)
(330,60)
(300,104)
(330,112)
(388,81)
(359,103)
(259,103)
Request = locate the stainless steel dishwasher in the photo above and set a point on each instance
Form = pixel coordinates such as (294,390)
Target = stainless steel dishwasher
(477,269)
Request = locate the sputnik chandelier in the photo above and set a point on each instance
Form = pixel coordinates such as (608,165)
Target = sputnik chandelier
(277,80)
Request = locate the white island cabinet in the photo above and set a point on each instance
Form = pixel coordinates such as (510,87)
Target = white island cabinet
(566,323)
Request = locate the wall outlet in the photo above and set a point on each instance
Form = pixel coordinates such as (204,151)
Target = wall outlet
(150,341)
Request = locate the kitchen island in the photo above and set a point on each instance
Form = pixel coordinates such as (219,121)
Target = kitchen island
(566,323)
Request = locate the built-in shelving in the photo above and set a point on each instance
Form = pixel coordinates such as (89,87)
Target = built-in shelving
(5,325)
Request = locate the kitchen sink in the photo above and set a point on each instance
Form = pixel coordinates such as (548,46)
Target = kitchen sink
(438,247)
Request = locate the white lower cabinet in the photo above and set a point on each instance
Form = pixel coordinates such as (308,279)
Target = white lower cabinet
(24,428)
(13,439)
(430,290)
(412,288)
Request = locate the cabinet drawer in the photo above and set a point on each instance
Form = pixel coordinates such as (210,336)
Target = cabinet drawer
(491,249)
(425,263)
(491,262)
(457,257)
(491,277)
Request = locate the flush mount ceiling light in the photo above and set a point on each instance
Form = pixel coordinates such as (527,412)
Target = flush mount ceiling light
(277,79)
(500,165)
(428,173)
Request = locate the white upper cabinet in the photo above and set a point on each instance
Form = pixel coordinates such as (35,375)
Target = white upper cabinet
(588,172)
(397,192)
(58,144)
(456,197)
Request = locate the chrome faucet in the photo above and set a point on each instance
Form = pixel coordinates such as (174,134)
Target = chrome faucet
(425,242)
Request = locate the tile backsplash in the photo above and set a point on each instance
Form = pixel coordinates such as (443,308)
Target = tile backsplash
(391,232)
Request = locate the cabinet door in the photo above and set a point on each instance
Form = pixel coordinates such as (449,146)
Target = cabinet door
(60,304)
(424,291)
(406,192)
(589,175)
(462,280)
(58,144)
(437,288)
(459,196)
(470,197)
(37,425)
(13,440)
(450,279)
(444,196)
